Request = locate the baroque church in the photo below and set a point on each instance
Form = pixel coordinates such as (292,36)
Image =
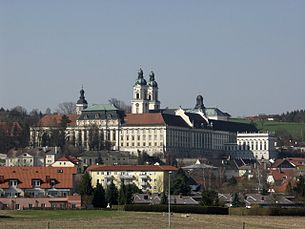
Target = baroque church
(168,133)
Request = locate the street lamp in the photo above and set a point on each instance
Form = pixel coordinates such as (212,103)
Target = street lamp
(169,199)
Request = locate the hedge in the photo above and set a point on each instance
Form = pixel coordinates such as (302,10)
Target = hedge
(177,208)
(268,211)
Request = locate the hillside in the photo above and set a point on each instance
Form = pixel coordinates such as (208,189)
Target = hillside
(295,130)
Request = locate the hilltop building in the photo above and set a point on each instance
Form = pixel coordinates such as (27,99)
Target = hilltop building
(169,133)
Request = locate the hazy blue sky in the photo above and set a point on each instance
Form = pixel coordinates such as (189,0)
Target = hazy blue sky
(244,57)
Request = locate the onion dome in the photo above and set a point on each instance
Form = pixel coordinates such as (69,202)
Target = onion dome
(199,103)
(152,82)
(82,99)
(140,81)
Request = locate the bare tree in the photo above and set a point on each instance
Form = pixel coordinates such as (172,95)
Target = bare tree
(66,108)
(120,105)
(48,111)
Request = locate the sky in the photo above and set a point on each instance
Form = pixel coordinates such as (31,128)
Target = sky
(244,57)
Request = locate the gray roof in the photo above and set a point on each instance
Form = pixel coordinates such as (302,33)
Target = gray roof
(101,107)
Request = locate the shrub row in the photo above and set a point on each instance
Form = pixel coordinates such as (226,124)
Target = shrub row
(268,211)
(177,208)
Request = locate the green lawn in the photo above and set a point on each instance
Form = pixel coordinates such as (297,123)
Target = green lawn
(296,130)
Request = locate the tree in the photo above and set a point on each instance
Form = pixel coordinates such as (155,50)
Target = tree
(179,184)
(163,198)
(130,190)
(48,111)
(112,194)
(236,202)
(64,121)
(85,186)
(120,105)
(209,198)
(98,200)
(122,194)
(66,108)
(85,189)
(300,187)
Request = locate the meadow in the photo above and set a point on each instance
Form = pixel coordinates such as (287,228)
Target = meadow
(121,219)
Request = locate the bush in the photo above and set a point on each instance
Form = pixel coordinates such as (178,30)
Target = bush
(268,211)
(177,209)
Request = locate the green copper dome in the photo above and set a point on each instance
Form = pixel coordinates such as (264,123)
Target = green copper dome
(152,82)
(140,81)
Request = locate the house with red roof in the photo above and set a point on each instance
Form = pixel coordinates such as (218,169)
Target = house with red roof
(285,171)
(37,181)
(21,203)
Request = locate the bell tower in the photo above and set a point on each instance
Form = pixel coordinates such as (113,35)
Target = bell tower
(152,93)
(81,104)
(139,102)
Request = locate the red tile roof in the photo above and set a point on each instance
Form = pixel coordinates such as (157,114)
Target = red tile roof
(72,159)
(54,120)
(295,161)
(283,174)
(131,168)
(144,119)
(63,175)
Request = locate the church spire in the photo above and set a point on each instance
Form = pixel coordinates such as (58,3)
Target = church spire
(82,103)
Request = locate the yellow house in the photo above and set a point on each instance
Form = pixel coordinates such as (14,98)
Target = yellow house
(148,178)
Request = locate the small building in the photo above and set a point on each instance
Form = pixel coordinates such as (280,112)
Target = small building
(22,203)
(148,178)
(261,145)
(37,181)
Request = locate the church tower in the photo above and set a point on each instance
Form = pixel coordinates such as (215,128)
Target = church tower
(152,93)
(81,104)
(139,102)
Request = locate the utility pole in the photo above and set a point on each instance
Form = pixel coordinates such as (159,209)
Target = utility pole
(169,199)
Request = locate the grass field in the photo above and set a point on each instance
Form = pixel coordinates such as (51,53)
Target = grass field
(121,219)
(296,130)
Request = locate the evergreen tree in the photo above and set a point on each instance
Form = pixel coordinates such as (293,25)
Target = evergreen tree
(112,194)
(235,200)
(179,184)
(122,193)
(130,190)
(98,200)
(209,198)
(85,187)
(163,198)
(300,187)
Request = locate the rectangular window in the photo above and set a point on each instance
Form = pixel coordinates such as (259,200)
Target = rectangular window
(13,182)
(36,183)
(17,206)
(30,205)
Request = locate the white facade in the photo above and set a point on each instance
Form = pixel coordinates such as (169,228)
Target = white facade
(139,103)
(145,95)
(260,144)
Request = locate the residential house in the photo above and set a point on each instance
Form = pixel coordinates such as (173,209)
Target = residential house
(21,203)
(43,156)
(155,198)
(37,181)
(68,161)
(148,178)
